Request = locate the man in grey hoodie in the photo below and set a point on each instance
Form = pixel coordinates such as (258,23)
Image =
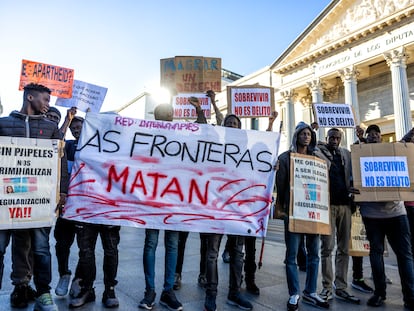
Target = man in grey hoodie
(303,142)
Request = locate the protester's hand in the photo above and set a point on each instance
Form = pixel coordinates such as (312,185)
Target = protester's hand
(71,113)
(194,101)
(315,126)
(273,116)
(359,131)
(352,191)
(212,95)
(61,203)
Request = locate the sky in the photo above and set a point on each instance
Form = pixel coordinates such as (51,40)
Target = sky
(119,44)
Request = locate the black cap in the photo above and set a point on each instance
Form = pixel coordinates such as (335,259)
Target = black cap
(373,127)
(55,110)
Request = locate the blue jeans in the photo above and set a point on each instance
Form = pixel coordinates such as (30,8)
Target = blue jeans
(292,241)
(4,242)
(171,252)
(25,241)
(397,231)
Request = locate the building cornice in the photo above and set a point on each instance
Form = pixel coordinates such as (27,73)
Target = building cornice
(345,42)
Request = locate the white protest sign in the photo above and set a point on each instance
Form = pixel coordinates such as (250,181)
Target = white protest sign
(85,97)
(28,182)
(310,193)
(334,115)
(252,101)
(178,176)
(384,172)
(184,110)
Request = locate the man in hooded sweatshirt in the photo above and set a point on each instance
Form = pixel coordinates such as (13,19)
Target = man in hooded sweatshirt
(303,142)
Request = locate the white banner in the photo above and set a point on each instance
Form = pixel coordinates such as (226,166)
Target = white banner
(334,115)
(85,97)
(184,110)
(310,189)
(176,176)
(28,182)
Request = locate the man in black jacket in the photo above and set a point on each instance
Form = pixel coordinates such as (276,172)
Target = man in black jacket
(31,122)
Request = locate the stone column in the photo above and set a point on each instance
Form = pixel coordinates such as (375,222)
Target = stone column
(317,97)
(290,115)
(349,78)
(396,60)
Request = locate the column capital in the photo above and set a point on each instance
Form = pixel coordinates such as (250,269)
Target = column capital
(287,94)
(315,85)
(396,57)
(348,73)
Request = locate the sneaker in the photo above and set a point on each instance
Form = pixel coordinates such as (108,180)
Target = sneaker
(86,295)
(326,294)
(202,281)
(376,301)
(345,296)
(252,288)
(75,288)
(362,286)
(45,303)
(238,301)
(169,300)
(18,298)
(148,301)
(293,303)
(226,256)
(109,299)
(177,282)
(314,300)
(210,303)
(63,285)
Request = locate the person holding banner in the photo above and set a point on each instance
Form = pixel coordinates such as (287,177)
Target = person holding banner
(236,243)
(388,219)
(162,112)
(31,122)
(340,177)
(65,229)
(303,142)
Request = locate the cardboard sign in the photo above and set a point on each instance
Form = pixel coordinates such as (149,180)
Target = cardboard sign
(85,97)
(383,172)
(309,197)
(334,115)
(172,176)
(250,101)
(358,243)
(29,170)
(58,79)
(191,74)
(184,110)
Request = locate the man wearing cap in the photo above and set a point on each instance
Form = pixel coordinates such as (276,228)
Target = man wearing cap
(388,219)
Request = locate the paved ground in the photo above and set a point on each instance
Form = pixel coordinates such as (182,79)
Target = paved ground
(270,278)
